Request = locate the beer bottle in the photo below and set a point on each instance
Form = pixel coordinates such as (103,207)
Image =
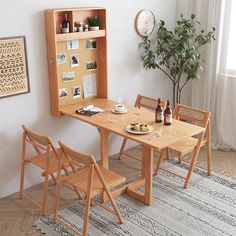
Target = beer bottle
(159,112)
(168,114)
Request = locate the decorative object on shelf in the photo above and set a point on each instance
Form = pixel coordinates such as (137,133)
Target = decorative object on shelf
(86,27)
(14,78)
(93,22)
(81,27)
(145,22)
(76,27)
(176,52)
(65,24)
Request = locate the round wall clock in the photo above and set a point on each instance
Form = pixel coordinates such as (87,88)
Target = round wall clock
(145,22)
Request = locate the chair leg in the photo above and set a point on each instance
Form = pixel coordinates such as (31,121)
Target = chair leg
(122,148)
(86,213)
(22,178)
(111,199)
(160,161)
(193,162)
(45,195)
(114,205)
(57,202)
(208,159)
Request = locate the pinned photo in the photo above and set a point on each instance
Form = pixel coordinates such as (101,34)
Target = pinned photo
(61,58)
(63,93)
(76,92)
(91,65)
(68,76)
(72,44)
(74,60)
(91,44)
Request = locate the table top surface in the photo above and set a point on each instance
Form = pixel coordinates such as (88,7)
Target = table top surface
(117,123)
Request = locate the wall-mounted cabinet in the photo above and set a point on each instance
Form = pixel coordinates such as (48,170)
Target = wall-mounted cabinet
(77,61)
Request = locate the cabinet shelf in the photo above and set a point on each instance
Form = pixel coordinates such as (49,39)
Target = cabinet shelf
(71,70)
(80,35)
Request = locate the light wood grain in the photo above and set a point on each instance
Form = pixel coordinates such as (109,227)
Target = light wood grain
(191,144)
(143,102)
(92,180)
(17,215)
(56,44)
(108,122)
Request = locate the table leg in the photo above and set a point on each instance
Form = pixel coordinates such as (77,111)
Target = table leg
(147,154)
(145,180)
(104,148)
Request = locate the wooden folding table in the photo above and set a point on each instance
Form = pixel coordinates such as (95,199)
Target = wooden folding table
(108,122)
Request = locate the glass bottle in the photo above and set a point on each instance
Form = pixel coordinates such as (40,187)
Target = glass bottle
(65,25)
(159,112)
(168,114)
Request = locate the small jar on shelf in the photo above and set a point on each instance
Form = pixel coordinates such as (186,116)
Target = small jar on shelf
(76,27)
(86,27)
(81,27)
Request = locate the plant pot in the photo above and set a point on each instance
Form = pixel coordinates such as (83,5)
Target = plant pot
(93,28)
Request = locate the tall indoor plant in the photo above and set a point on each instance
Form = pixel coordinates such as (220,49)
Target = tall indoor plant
(176,53)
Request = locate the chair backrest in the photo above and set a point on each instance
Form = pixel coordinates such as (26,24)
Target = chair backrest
(75,157)
(148,102)
(191,115)
(41,143)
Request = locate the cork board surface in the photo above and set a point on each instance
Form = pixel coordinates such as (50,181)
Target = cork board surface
(82,55)
(13,67)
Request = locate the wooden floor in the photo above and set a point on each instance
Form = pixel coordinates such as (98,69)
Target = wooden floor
(16,216)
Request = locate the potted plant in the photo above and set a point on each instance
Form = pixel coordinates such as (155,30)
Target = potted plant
(93,22)
(176,53)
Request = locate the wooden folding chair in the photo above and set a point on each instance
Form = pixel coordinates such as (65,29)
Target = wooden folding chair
(47,159)
(91,179)
(191,144)
(145,103)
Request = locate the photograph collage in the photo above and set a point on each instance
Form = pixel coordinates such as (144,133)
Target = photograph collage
(73,61)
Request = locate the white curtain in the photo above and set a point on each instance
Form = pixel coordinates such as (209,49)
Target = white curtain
(216,89)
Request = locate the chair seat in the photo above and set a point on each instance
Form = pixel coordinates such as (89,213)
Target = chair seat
(186,145)
(40,161)
(79,180)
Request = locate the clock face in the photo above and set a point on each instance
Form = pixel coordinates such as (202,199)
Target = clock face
(145,22)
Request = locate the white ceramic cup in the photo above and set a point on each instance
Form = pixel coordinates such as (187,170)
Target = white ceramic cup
(119,107)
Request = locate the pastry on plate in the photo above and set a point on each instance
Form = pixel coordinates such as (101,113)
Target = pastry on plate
(143,127)
(135,126)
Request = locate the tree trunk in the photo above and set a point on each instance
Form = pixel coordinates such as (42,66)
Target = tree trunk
(174,94)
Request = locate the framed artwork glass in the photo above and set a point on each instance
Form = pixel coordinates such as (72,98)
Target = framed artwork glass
(14,79)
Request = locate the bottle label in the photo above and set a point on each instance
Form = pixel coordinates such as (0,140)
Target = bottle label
(168,118)
(65,30)
(159,116)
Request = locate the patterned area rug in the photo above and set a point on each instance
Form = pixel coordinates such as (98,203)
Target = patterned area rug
(207,207)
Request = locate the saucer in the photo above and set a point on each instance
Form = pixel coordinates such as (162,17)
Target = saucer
(119,112)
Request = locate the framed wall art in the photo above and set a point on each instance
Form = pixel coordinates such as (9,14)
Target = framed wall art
(14,78)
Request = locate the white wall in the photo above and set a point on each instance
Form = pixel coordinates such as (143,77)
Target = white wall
(125,73)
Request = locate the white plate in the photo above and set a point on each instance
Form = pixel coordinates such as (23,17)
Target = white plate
(150,129)
(118,112)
